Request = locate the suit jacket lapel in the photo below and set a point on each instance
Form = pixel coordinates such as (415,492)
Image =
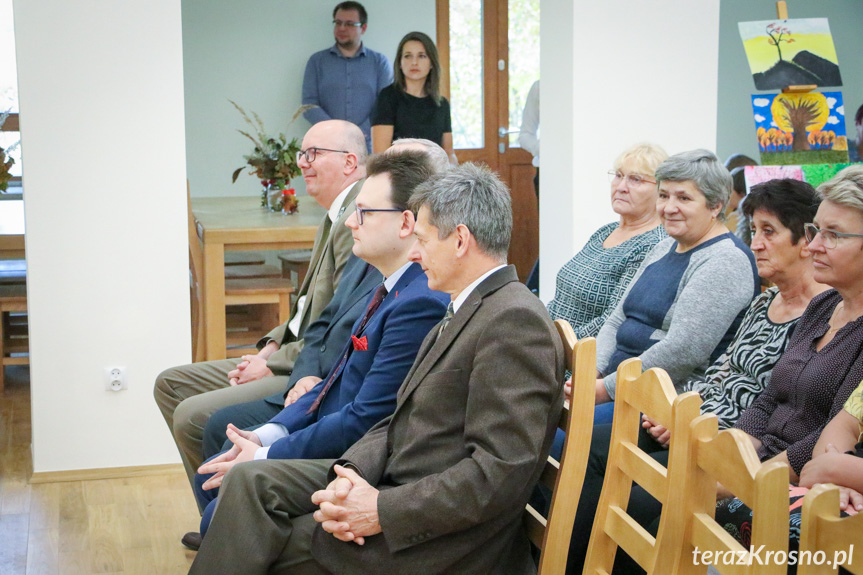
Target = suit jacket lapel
(370,280)
(433,348)
(326,249)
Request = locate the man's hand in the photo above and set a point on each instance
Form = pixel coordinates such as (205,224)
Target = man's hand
(657,432)
(349,507)
(567,390)
(601,393)
(252,368)
(246,443)
(303,386)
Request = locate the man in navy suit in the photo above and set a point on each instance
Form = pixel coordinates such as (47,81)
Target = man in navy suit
(360,390)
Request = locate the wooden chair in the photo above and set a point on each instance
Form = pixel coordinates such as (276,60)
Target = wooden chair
(727,457)
(250,291)
(296,262)
(822,529)
(565,478)
(13,335)
(243,259)
(13,271)
(652,393)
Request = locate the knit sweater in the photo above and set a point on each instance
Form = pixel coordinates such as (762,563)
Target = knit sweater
(592,282)
(681,310)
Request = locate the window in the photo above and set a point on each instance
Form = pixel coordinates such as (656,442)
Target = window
(9,135)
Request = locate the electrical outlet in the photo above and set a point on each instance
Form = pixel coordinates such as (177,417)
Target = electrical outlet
(115,378)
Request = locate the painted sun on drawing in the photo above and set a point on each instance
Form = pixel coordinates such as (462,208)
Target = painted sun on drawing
(790,53)
(795,129)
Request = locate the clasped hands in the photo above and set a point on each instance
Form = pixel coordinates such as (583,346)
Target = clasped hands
(348,507)
(251,368)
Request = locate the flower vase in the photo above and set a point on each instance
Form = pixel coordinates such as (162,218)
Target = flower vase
(290,204)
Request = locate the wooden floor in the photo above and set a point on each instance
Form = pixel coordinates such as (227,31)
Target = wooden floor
(108,526)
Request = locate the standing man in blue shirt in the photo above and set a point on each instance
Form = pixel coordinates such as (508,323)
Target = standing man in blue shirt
(344,80)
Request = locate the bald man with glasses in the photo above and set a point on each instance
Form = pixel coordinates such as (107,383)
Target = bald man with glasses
(344,80)
(333,164)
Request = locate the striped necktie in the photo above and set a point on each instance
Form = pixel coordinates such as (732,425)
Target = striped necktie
(450,311)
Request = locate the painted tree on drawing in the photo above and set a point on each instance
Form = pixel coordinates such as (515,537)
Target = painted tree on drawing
(778,34)
(800,114)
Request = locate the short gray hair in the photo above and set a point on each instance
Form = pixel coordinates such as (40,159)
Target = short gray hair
(703,169)
(472,195)
(845,188)
(436,155)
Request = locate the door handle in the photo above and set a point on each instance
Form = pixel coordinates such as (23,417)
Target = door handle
(502,132)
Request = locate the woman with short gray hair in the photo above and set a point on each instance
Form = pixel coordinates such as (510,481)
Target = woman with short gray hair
(685,303)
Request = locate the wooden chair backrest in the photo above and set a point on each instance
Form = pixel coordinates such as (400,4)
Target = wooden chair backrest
(565,478)
(728,457)
(823,530)
(196,268)
(652,393)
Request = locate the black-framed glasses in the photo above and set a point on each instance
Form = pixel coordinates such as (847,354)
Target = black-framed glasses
(312,153)
(829,238)
(614,176)
(346,24)
(362,211)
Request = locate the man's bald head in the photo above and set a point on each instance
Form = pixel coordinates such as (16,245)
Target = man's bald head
(339,159)
(436,155)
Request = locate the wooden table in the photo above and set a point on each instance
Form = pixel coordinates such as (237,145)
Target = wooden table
(240,224)
(11,228)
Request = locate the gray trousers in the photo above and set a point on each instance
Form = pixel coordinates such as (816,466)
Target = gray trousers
(263,521)
(187,395)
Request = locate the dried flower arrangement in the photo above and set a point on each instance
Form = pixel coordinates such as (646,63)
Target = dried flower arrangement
(273,162)
(6,161)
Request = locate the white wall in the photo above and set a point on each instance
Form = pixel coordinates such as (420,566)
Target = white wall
(255,53)
(101,88)
(615,73)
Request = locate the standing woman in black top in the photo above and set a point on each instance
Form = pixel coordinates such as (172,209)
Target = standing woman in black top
(412,107)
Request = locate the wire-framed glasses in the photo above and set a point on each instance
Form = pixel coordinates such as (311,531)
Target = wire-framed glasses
(829,238)
(615,176)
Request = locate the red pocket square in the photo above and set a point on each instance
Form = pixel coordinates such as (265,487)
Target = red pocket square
(360,343)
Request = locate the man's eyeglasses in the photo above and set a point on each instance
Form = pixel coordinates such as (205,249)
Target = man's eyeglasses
(361,211)
(829,238)
(312,153)
(615,177)
(346,24)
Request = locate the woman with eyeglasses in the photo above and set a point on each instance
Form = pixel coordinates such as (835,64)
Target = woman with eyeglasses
(823,364)
(591,283)
(412,106)
(689,296)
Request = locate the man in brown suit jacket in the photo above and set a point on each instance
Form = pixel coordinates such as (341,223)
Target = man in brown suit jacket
(333,165)
(439,486)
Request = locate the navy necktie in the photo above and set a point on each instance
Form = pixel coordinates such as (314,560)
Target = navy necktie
(373,306)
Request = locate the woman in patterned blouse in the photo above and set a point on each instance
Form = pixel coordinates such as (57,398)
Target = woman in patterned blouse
(591,283)
(778,210)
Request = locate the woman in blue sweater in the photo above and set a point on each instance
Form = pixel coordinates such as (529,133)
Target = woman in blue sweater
(701,271)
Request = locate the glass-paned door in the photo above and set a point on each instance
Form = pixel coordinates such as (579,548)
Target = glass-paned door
(490,52)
